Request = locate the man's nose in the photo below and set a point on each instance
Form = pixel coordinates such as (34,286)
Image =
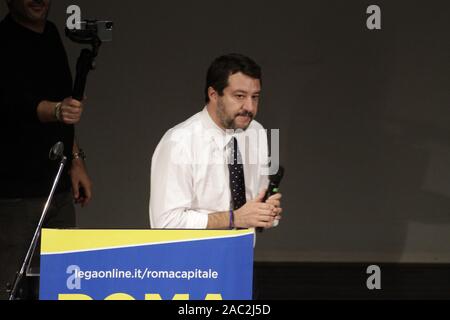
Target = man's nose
(250,105)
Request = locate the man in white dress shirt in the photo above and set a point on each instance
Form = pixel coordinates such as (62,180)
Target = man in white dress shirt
(210,172)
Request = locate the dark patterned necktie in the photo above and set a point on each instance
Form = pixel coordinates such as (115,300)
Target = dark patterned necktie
(237,180)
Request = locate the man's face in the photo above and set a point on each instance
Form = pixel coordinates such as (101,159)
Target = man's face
(29,10)
(239,104)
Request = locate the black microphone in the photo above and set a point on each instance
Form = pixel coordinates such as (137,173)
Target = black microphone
(274,183)
(273,188)
(57,151)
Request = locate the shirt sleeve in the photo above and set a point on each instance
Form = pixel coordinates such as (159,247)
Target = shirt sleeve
(16,103)
(171,188)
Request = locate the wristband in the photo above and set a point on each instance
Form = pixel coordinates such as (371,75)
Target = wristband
(231,219)
(79,155)
(58,111)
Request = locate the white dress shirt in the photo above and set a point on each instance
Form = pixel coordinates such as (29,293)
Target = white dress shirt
(190,175)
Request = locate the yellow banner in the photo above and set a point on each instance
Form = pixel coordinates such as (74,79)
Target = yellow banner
(61,241)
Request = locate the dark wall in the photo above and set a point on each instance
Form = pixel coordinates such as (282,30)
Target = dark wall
(363,116)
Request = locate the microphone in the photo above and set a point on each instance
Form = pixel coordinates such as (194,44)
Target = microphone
(274,183)
(57,151)
(273,188)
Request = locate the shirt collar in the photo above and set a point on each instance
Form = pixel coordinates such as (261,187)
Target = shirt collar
(221,137)
(17,27)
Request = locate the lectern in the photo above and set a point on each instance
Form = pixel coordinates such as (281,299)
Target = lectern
(146,265)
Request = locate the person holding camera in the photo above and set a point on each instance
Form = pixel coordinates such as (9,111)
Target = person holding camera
(37,112)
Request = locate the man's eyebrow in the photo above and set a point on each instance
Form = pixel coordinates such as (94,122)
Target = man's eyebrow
(243,91)
(239,91)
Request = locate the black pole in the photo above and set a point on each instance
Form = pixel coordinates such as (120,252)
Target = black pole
(84,65)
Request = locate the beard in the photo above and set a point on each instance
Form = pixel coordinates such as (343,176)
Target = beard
(31,16)
(229,121)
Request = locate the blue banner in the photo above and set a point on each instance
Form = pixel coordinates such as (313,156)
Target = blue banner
(146,264)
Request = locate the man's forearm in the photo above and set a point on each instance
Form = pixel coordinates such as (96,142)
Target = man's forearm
(75,148)
(219,220)
(46,111)
(76,151)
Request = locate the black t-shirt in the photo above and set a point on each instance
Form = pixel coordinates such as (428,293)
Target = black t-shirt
(33,68)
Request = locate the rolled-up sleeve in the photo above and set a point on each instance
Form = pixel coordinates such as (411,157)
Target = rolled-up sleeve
(171,188)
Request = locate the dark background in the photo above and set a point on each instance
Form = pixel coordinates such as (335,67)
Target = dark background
(363,116)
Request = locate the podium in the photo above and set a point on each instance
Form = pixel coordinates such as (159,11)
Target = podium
(146,264)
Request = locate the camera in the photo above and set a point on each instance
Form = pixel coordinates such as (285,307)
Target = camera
(91,31)
(94,33)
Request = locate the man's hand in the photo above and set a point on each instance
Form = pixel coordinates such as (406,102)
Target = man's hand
(71,110)
(80,181)
(275,200)
(67,111)
(255,213)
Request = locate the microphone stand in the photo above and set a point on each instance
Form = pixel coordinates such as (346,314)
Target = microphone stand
(27,261)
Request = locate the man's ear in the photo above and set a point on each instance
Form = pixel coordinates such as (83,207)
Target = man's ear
(212,94)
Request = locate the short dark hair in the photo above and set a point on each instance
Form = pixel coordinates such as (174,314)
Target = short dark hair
(225,66)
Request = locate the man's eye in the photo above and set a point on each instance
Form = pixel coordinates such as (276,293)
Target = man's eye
(255,97)
(240,96)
